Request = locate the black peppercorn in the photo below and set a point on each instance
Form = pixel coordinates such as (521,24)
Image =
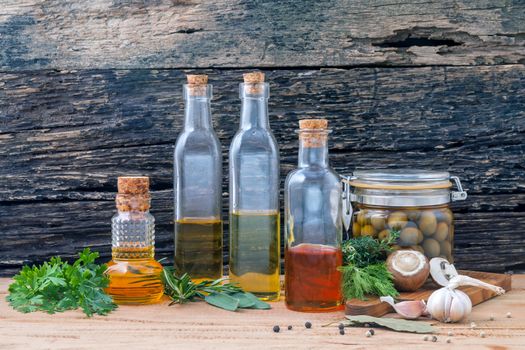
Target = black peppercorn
(342,331)
(276,329)
(289,328)
(341,326)
(308,324)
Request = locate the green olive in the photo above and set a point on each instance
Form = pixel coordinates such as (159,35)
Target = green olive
(413,215)
(445,248)
(361,218)
(446,216)
(418,248)
(383,235)
(427,223)
(397,220)
(441,232)
(368,230)
(431,247)
(356,229)
(378,221)
(410,236)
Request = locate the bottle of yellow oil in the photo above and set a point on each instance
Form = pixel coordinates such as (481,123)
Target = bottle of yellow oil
(254,195)
(134,274)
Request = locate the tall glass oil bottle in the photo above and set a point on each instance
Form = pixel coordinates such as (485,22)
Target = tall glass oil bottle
(313,225)
(254,195)
(134,274)
(198,193)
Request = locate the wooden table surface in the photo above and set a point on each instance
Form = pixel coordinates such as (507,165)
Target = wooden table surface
(200,326)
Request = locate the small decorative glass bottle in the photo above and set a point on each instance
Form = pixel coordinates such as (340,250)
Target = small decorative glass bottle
(134,274)
(313,225)
(254,195)
(198,191)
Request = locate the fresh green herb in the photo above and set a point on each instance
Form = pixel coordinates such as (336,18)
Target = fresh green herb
(365,250)
(228,296)
(57,286)
(364,270)
(369,280)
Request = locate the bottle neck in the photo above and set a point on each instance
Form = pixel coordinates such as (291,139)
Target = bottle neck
(313,150)
(254,113)
(197,113)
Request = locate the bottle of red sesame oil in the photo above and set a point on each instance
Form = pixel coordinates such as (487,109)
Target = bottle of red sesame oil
(254,195)
(313,225)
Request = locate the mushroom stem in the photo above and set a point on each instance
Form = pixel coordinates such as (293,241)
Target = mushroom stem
(462,280)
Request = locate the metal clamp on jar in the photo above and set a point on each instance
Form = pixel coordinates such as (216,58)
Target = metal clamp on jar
(414,202)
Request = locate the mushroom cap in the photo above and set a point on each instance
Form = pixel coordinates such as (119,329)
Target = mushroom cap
(409,268)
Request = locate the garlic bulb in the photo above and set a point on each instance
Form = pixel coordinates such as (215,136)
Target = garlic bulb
(449,305)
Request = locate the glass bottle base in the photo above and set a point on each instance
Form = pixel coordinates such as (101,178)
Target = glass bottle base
(135,281)
(316,307)
(265,287)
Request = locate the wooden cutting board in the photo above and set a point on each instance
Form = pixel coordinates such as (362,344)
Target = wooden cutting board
(373,307)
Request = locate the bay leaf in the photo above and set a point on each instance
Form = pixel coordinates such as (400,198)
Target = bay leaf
(395,324)
(222,300)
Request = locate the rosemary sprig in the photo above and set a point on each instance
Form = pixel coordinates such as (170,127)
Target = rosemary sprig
(182,289)
(219,293)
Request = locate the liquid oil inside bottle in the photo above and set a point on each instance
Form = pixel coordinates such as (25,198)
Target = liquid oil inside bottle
(313,283)
(198,248)
(254,260)
(134,276)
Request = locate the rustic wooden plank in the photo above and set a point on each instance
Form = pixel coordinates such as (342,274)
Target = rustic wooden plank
(173,34)
(65,137)
(198,325)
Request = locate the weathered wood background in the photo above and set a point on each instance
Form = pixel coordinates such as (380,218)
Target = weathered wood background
(90,90)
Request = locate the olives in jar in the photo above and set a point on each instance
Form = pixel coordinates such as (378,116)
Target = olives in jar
(426,229)
(415,203)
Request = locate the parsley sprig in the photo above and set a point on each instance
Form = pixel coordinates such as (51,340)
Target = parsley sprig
(57,286)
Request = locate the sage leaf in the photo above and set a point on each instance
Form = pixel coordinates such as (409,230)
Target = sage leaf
(223,301)
(395,324)
(245,301)
(257,303)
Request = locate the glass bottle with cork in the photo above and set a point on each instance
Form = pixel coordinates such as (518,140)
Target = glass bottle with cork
(313,225)
(134,274)
(197,187)
(254,195)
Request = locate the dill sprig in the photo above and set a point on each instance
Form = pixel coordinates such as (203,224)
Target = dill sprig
(364,270)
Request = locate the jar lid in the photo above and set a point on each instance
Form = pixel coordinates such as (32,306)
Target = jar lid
(401,179)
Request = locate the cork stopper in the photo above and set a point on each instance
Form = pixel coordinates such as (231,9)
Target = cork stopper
(133,193)
(197,84)
(313,124)
(314,132)
(253,81)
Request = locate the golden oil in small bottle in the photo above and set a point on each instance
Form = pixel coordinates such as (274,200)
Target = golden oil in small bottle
(134,274)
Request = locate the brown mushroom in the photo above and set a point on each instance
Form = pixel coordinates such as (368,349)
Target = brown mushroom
(409,268)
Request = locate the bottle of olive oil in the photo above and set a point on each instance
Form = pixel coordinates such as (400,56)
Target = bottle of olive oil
(134,274)
(254,195)
(197,187)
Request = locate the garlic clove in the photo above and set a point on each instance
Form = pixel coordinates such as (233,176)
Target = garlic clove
(407,309)
(460,306)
